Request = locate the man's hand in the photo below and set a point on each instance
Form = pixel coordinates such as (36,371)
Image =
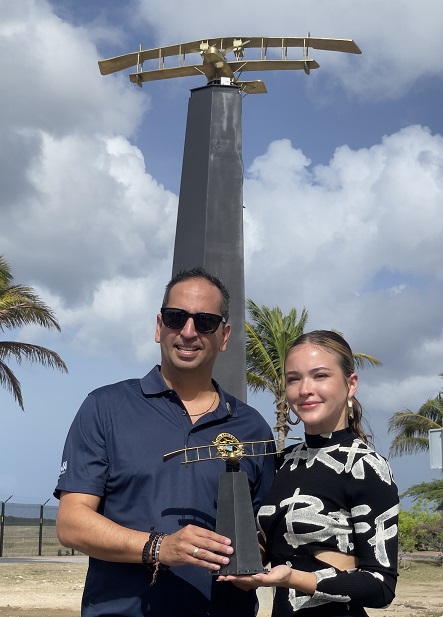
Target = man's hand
(196,546)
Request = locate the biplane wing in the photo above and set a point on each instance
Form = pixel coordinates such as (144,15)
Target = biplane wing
(273,65)
(252,87)
(156,74)
(345,45)
(248,87)
(244,66)
(327,44)
(119,63)
(227,44)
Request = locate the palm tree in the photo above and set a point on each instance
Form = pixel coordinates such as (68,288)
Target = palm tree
(20,306)
(413,428)
(268,339)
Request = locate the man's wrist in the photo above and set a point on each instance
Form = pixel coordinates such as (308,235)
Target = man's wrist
(151,553)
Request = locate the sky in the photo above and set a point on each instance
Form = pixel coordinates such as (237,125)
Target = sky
(343,196)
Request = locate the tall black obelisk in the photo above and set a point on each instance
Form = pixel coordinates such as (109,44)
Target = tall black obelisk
(210,212)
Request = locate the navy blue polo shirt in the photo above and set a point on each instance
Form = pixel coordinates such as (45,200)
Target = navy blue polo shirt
(115,449)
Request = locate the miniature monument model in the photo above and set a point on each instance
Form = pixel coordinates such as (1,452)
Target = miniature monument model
(209,229)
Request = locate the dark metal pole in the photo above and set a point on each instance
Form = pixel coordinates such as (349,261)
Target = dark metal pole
(2,524)
(210,212)
(40,531)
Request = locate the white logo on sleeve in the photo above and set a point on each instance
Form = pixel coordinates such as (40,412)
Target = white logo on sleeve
(64,467)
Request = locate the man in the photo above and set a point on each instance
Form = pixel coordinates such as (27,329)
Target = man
(135,514)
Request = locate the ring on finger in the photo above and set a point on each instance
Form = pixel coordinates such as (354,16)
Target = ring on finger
(194,554)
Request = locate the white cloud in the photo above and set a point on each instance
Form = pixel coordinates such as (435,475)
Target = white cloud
(411,392)
(50,77)
(78,204)
(383,203)
(120,319)
(94,213)
(323,237)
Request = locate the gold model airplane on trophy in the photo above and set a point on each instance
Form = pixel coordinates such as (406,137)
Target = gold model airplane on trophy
(225,447)
(215,64)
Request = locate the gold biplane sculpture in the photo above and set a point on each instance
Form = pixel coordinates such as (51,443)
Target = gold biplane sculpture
(215,64)
(225,447)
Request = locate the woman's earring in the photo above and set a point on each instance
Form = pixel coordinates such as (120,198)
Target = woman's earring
(350,409)
(289,419)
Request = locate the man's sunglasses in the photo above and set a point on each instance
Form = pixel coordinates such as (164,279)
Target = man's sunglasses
(205,323)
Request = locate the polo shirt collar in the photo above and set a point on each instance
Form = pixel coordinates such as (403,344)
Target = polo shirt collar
(153,384)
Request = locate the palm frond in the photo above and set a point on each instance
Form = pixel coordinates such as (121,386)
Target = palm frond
(5,273)
(433,409)
(21,306)
(31,353)
(9,381)
(408,445)
(363,360)
(409,424)
(257,383)
(413,428)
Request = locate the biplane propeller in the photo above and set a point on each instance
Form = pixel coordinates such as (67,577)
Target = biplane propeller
(215,64)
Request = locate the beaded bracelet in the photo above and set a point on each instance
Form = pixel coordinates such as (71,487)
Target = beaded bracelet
(147,548)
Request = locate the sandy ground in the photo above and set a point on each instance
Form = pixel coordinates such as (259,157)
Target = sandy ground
(44,589)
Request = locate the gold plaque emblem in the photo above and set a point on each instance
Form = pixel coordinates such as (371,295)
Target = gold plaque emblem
(229,447)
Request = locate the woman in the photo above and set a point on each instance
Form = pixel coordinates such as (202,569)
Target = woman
(329,524)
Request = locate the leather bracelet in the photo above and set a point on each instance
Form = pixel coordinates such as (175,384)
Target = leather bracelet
(146,552)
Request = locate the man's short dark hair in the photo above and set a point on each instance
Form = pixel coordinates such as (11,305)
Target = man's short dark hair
(199,273)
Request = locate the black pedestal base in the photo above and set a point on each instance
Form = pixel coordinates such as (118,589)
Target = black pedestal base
(235,519)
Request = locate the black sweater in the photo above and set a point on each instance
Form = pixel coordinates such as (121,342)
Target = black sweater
(333,493)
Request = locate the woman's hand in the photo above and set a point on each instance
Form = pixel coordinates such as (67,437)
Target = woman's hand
(276,577)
